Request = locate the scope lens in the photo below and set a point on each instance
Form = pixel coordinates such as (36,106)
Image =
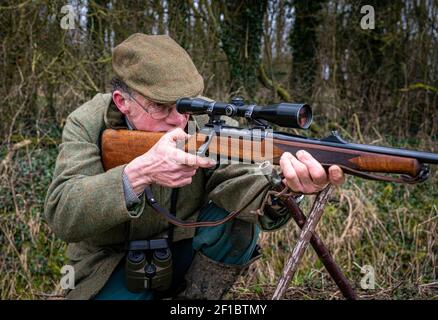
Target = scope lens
(305,117)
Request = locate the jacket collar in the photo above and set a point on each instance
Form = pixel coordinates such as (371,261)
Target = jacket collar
(113,118)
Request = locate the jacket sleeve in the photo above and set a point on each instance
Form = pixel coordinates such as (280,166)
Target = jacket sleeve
(234,186)
(82,199)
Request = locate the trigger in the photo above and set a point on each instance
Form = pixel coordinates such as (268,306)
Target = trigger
(203,149)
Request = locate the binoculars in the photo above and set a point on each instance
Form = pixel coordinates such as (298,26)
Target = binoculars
(148,265)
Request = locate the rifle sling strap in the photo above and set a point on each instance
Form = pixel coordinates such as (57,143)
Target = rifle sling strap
(181,223)
(173,203)
(171,218)
(420,177)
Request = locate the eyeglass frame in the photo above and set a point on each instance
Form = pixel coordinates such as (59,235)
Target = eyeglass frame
(160,106)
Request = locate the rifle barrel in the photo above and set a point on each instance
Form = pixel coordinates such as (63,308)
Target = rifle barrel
(422,156)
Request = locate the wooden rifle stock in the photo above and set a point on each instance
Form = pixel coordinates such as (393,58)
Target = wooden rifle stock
(121,146)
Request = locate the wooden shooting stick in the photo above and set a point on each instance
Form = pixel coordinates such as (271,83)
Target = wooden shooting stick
(308,235)
(322,251)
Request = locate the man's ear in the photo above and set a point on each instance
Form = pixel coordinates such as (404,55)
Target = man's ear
(121,102)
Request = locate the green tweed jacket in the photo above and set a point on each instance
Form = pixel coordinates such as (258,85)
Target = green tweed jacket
(85,206)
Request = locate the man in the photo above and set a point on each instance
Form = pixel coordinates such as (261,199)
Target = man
(98,213)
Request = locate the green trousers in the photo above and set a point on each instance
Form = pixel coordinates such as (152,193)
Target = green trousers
(224,243)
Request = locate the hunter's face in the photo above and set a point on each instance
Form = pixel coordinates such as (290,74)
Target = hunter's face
(149,116)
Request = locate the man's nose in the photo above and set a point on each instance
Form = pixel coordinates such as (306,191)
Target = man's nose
(174,117)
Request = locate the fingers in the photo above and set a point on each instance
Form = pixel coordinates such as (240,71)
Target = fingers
(191,160)
(179,156)
(336,175)
(184,175)
(176,135)
(292,180)
(185,168)
(178,183)
(315,169)
(305,174)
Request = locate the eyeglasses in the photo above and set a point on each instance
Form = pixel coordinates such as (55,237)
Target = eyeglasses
(158,111)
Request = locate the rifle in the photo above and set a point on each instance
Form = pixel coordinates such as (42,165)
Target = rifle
(216,139)
(244,144)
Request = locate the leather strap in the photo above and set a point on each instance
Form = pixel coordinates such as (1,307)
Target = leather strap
(173,202)
(181,223)
(420,177)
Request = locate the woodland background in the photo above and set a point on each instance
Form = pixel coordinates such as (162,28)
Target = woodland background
(376,86)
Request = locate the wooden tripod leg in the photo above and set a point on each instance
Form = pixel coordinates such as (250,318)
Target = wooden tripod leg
(303,241)
(323,252)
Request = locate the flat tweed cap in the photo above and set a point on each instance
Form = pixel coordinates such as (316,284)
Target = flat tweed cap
(157,67)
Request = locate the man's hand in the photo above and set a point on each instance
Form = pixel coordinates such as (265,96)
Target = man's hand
(303,174)
(164,164)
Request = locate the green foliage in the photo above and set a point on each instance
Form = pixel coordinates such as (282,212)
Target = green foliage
(28,247)
(241,33)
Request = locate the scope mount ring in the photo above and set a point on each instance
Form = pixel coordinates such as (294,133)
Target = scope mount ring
(249,111)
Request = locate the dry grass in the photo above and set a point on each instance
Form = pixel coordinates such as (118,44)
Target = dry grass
(31,256)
